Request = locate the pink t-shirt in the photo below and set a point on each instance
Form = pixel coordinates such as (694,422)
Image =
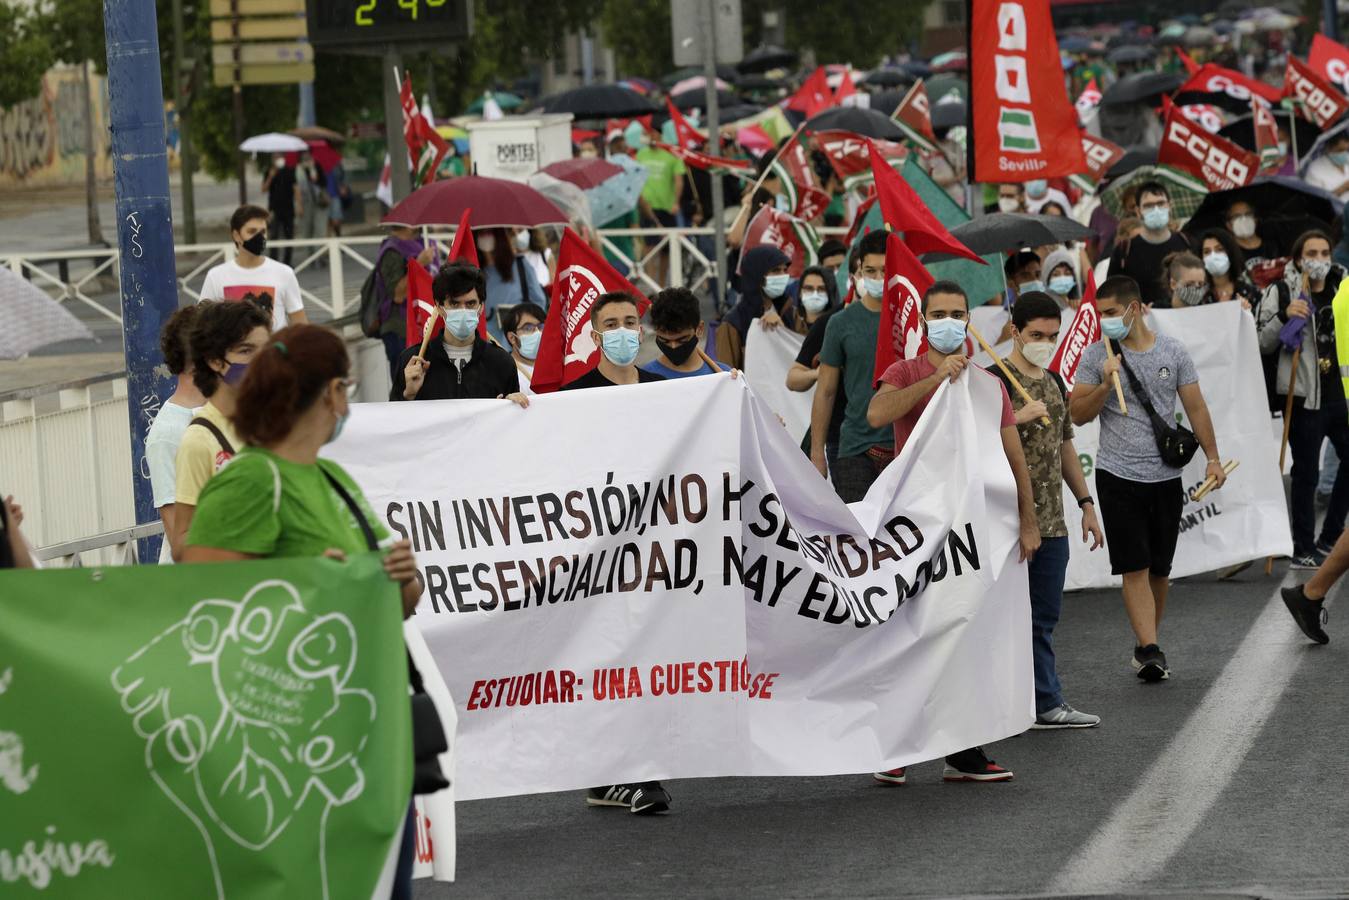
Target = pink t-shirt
(905,372)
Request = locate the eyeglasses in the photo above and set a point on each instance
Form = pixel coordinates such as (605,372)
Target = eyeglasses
(527,329)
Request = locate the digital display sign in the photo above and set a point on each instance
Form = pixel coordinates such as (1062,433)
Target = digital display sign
(350,23)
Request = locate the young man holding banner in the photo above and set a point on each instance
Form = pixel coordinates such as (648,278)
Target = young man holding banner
(1141,493)
(1051,460)
(906,388)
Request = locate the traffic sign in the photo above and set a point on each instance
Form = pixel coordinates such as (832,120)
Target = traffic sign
(222,8)
(287,73)
(284,29)
(686,19)
(354,23)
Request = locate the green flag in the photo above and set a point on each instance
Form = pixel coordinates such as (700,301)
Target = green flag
(981,283)
(237,730)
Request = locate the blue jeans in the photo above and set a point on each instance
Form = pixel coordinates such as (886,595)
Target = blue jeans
(1048,568)
(1330,468)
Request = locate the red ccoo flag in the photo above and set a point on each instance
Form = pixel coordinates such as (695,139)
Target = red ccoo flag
(905,211)
(1218,162)
(1266,137)
(792,167)
(420,305)
(686,136)
(1085,331)
(1330,60)
(1321,104)
(900,335)
(814,94)
(566,351)
(914,116)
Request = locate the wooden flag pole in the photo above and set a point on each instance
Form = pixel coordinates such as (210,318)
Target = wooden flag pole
(426,332)
(1025,395)
(1288,409)
(1119,391)
(1211,482)
(715,366)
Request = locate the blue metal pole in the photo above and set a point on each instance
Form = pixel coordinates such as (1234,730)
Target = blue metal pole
(144,225)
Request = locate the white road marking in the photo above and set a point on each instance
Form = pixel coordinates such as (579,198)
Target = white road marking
(1177,792)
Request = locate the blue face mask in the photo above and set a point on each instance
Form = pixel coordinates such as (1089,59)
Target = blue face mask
(1027,287)
(337,429)
(1339,158)
(529,344)
(620,345)
(781,203)
(1115,328)
(1062,284)
(945,335)
(1037,187)
(234,374)
(461,322)
(874,287)
(1156,218)
(775,285)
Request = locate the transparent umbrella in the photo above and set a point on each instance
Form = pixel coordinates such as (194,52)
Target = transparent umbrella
(617,196)
(33,319)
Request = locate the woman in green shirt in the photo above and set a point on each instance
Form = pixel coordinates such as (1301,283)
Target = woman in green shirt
(276,498)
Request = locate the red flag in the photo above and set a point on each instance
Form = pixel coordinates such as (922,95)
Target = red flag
(1214,79)
(1330,60)
(1187,61)
(788,233)
(707,161)
(1100,155)
(1023,126)
(425,145)
(813,96)
(900,335)
(1205,115)
(1321,104)
(466,249)
(566,351)
(914,117)
(1221,164)
(1087,101)
(903,210)
(849,155)
(420,305)
(686,135)
(792,167)
(1085,331)
(846,88)
(1266,137)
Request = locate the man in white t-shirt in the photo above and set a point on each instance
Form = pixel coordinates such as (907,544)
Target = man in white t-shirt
(166,433)
(251,275)
(1330,170)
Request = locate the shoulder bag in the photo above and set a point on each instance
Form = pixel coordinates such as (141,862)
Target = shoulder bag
(1176,443)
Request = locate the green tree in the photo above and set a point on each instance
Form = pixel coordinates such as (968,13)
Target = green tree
(639,31)
(25,54)
(75,29)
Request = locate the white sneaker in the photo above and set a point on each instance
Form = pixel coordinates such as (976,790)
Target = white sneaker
(1064,716)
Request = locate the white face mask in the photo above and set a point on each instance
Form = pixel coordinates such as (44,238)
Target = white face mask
(487,242)
(522,241)
(1244,226)
(1039,353)
(1008,204)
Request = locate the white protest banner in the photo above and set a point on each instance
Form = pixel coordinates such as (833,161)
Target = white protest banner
(768,356)
(1247,519)
(681,595)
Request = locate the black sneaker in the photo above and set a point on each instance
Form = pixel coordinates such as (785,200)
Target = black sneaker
(1310,615)
(974,765)
(1306,561)
(645,799)
(1150,663)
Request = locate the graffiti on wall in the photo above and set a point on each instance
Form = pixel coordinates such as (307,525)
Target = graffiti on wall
(43,141)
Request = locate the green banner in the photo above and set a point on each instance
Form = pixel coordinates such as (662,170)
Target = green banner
(231,730)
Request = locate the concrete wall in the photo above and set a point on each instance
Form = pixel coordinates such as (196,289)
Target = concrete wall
(42,140)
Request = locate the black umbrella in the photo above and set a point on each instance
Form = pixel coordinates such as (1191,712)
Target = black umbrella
(1276,199)
(916,68)
(766,57)
(1143,86)
(756,83)
(1130,53)
(1003,232)
(697,99)
(599,101)
(888,78)
(1075,43)
(949,114)
(870,122)
(886,101)
(1242,131)
(737,112)
(1134,156)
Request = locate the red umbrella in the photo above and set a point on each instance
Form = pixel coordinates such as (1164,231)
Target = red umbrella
(498,203)
(584,173)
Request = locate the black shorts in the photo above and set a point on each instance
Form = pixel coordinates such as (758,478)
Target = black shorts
(1141,521)
(666,219)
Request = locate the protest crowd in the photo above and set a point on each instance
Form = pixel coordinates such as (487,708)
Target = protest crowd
(869,231)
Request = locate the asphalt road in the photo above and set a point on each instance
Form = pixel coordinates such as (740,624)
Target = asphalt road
(1227,780)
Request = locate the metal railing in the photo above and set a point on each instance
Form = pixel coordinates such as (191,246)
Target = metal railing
(331,270)
(116,548)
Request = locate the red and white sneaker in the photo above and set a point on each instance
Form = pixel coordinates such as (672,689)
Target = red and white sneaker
(894,776)
(974,765)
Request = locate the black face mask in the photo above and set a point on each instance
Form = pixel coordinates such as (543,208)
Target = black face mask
(678,353)
(256,244)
